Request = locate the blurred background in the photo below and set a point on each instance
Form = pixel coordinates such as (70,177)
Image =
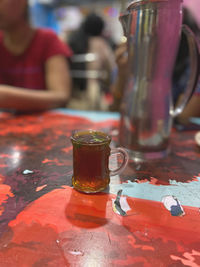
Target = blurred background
(65,16)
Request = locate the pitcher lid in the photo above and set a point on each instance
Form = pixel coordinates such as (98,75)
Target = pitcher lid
(142,2)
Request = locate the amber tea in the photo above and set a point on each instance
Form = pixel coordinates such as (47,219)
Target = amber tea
(91,152)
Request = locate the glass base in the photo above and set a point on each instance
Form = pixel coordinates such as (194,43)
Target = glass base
(139,156)
(88,191)
(83,188)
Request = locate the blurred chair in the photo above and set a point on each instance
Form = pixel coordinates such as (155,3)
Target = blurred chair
(78,73)
(92,64)
(88,83)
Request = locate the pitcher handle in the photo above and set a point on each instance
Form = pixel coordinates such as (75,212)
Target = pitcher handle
(194,73)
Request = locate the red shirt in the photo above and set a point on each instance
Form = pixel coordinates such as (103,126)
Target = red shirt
(28,69)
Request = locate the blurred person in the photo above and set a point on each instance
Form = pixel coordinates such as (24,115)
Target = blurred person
(34,72)
(182,72)
(120,75)
(88,38)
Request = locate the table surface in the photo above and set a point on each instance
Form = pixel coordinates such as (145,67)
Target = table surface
(45,222)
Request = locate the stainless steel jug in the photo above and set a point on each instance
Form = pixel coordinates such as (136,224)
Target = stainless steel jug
(153,30)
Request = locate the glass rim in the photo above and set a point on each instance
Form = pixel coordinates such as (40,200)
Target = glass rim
(76,132)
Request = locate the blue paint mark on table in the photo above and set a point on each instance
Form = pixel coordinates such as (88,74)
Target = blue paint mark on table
(186,193)
(95,116)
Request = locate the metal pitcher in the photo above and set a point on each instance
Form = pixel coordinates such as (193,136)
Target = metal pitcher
(153,31)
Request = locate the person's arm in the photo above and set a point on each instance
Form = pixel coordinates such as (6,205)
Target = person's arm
(117,87)
(105,58)
(58,90)
(192,109)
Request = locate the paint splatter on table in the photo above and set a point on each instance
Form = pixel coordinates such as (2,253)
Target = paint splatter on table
(45,222)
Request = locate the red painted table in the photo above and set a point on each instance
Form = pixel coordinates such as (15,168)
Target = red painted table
(45,222)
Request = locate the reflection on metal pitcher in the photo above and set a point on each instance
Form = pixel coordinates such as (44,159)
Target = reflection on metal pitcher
(153,31)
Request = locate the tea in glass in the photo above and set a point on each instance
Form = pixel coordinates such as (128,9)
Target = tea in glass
(91,152)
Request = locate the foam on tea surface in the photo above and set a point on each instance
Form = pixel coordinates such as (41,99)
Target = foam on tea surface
(91,137)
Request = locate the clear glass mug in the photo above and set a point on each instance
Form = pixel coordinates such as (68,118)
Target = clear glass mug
(91,154)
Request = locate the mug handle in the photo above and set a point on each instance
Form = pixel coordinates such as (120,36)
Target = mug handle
(125,157)
(194,65)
